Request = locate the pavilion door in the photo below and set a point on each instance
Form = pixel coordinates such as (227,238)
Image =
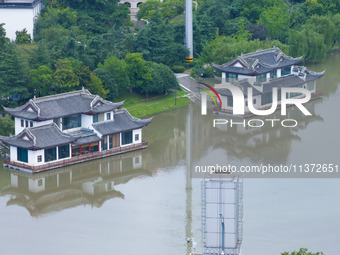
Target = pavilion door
(114,141)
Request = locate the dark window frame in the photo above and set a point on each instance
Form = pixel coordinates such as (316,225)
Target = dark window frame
(95,118)
(64,151)
(22,154)
(50,154)
(127,137)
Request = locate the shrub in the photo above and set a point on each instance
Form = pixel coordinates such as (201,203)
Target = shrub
(178,69)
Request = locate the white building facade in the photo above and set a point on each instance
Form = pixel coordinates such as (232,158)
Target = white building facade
(68,128)
(18,15)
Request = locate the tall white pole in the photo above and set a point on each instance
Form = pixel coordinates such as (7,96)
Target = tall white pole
(188,30)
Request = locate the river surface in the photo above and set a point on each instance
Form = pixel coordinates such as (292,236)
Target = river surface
(145,202)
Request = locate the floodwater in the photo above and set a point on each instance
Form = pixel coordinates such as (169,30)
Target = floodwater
(145,202)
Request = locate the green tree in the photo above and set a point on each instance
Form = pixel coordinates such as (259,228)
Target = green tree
(242,34)
(22,37)
(138,71)
(3,38)
(298,16)
(6,126)
(313,7)
(336,22)
(54,17)
(96,87)
(41,81)
(13,76)
(162,79)
(108,81)
(87,79)
(276,19)
(253,9)
(40,56)
(224,48)
(222,14)
(148,8)
(117,70)
(156,42)
(258,31)
(167,9)
(64,77)
(302,251)
(316,47)
(322,25)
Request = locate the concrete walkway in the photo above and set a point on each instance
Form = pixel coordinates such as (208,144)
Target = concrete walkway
(190,85)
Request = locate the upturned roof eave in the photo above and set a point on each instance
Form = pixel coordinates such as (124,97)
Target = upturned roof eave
(18,115)
(253,73)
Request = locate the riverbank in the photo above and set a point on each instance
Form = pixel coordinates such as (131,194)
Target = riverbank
(139,106)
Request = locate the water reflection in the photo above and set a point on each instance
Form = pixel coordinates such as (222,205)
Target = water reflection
(177,137)
(91,184)
(154,187)
(226,144)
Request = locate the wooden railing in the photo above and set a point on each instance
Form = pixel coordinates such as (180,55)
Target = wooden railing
(76,159)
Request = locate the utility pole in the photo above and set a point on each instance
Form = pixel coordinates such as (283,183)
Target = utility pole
(188,31)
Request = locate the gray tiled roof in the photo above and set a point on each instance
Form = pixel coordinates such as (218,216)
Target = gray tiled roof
(66,104)
(39,137)
(259,62)
(243,84)
(84,136)
(291,80)
(123,121)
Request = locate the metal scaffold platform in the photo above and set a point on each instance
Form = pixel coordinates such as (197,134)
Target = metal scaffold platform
(222,215)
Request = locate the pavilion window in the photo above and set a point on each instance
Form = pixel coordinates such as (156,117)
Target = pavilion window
(104,143)
(75,151)
(267,98)
(295,94)
(110,141)
(22,155)
(85,149)
(72,122)
(261,78)
(114,141)
(230,101)
(285,71)
(95,118)
(63,151)
(279,95)
(273,74)
(50,154)
(22,123)
(310,85)
(231,77)
(127,137)
(94,147)
(108,116)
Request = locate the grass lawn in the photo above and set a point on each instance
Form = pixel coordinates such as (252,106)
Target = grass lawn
(139,106)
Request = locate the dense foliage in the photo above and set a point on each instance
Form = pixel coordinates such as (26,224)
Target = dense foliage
(93,43)
(302,251)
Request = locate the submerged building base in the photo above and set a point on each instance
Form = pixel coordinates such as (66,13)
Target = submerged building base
(74,160)
(248,114)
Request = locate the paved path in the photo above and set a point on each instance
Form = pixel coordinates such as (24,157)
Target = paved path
(190,85)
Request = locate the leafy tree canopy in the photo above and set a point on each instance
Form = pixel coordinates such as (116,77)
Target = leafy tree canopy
(302,251)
